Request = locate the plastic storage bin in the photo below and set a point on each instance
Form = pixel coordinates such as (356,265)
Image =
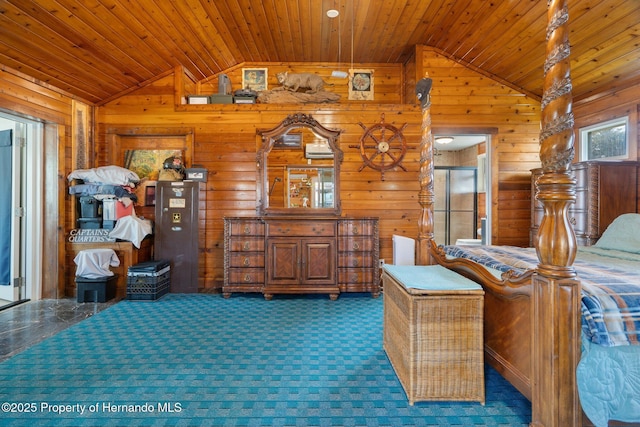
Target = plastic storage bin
(89,207)
(89,223)
(95,290)
(148,280)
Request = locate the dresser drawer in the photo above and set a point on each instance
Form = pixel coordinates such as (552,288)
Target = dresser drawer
(296,229)
(247,228)
(582,201)
(248,259)
(578,219)
(359,244)
(356,275)
(246,244)
(355,259)
(357,227)
(246,276)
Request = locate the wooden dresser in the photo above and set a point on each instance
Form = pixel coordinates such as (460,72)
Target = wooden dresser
(604,191)
(300,255)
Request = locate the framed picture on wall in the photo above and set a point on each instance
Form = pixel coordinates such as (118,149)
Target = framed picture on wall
(288,141)
(361,85)
(147,165)
(254,79)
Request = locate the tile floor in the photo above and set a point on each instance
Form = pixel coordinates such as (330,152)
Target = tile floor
(28,323)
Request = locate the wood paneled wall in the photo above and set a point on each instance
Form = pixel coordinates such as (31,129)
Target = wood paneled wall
(225,143)
(463,99)
(25,97)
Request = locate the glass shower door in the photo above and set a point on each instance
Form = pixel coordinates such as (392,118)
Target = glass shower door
(456,204)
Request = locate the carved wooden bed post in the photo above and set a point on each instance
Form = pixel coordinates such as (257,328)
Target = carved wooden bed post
(556,292)
(426,196)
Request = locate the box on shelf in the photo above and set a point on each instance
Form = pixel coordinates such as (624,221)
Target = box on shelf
(89,207)
(221,99)
(244,99)
(148,280)
(95,290)
(196,174)
(197,99)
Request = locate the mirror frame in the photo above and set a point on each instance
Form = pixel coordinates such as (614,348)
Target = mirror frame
(268,138)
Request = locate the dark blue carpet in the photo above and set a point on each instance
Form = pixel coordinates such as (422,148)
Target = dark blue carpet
(202,360)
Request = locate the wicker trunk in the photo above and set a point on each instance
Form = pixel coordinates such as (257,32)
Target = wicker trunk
(433,338)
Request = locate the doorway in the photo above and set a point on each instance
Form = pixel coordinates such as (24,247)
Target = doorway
(468,154)
(20,209)
(456,204)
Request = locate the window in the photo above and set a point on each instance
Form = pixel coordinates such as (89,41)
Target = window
(607,140)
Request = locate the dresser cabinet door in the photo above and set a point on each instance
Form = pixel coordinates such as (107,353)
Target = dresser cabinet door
(283,256)
(301,262)
(319,261)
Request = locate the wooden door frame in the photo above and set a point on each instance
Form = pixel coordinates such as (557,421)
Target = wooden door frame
(114,137)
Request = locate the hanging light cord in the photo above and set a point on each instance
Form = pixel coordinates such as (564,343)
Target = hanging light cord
(352,24)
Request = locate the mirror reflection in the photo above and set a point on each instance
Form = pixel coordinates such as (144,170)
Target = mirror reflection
(299,168)
(309,187)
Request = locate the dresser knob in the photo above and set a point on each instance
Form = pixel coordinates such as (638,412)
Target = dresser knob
(246,246)
(247,277)
(356,246)
(246,262)
(355,229)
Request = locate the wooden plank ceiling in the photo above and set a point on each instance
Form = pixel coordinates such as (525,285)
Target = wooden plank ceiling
(96,49)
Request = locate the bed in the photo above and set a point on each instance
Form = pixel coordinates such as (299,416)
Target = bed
(533,313)
(608,374)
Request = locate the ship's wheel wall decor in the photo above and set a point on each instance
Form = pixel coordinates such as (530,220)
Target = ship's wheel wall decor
(382,146)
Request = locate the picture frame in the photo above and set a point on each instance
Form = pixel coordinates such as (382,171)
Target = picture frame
(288,141)
(147,163)
(254,79)
(361,85)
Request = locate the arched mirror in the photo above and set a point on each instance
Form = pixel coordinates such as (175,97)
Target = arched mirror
(299,168)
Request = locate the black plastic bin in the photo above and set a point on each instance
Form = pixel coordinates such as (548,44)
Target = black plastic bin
(148,280)
(101,289)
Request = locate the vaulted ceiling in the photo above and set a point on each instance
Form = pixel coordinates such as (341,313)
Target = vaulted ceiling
(95,49)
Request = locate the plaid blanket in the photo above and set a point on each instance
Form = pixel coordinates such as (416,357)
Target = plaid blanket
(610,281)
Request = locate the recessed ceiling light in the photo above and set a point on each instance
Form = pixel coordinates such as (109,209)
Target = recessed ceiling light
(332,13)
(444,139)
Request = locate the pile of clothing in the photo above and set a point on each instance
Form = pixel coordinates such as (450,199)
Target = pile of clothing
(115,185)
(105,182)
